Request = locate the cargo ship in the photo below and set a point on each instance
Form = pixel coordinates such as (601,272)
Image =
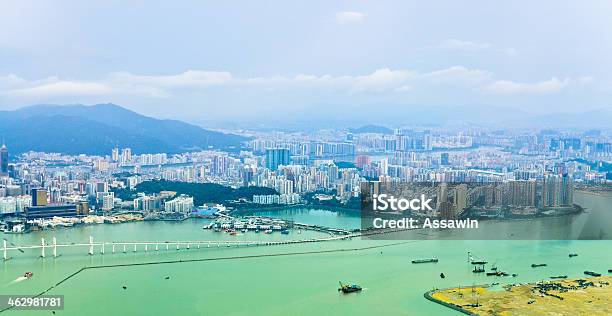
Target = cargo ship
(429,260)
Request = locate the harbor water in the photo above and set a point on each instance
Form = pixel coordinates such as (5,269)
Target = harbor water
(300,279)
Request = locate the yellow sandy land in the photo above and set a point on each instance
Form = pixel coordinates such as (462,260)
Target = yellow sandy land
(514,300)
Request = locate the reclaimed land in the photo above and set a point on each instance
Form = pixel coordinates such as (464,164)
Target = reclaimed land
(585,296)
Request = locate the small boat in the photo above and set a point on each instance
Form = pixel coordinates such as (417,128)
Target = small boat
(284,232)
(233,233)
(536,265)
(346,288)
(442,275)
(559,277)
(514,275)
(428,260)
(591,273)
(492,274)
(28,274)
(244,230)
(479,262)
(478,270)
(493,268)
(268,231)
(573,255)
(609,270)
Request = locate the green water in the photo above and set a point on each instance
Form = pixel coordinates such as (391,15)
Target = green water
(302,284)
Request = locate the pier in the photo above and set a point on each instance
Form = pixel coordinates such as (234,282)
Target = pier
(101,247)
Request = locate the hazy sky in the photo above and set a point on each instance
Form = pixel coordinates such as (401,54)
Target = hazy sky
(258,60)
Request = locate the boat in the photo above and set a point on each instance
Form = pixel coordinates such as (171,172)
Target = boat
(497,273)
(609,270)
(28,274)
(536,265)
(268,231)
(591,273)
(285,232)
(573,255)
(346,288)
(429,260)
(475,261)
(478,270)
(244,230)
(559,277)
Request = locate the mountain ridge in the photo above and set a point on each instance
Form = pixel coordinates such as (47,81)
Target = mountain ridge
(96,129)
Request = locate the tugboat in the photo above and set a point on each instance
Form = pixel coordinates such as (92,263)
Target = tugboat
(28,275)
(346,288)
(591,273)
(537,265)
(429,260)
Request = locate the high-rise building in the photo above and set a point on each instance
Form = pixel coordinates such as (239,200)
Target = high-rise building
(115,154)
(277,157)
(39,197)
(4,156)
(522,193)
(444,159)
(557,190)
(126,155)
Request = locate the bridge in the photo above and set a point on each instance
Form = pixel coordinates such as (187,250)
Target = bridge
(93,247)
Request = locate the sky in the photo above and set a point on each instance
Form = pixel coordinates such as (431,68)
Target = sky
(303,60)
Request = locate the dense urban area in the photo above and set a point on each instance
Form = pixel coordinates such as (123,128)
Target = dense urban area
(537,170)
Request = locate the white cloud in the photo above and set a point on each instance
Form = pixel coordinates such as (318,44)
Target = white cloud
(190,78)
(349,17)
(62,88)
(459,75)
(542,87)
(383,80)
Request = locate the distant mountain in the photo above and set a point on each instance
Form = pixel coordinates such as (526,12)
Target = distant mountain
(371,129)
(96,129)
